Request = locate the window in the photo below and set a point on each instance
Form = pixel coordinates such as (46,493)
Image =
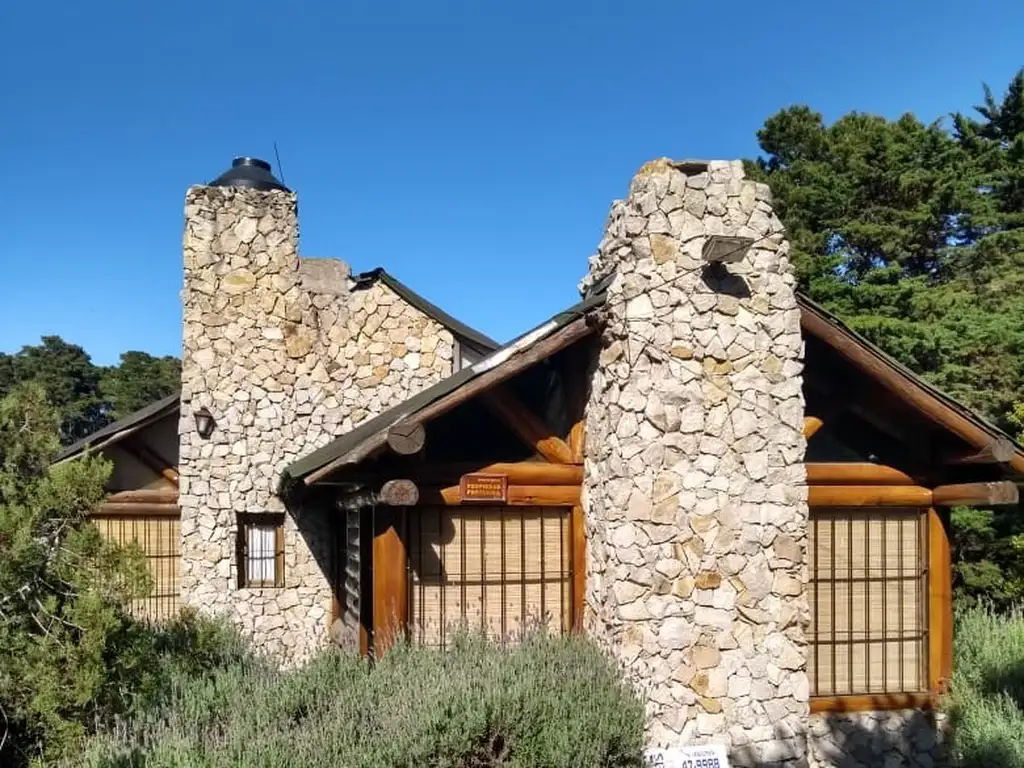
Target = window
(869,601)
(498,569)
(261,550)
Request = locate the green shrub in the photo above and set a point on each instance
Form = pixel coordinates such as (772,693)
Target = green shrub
(988,689)
(551,702)
(71,657)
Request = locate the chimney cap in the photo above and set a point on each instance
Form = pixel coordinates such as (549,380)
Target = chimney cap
(249,173)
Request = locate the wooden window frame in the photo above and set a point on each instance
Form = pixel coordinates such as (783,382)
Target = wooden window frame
(388,584)
(245,521)
(939,649)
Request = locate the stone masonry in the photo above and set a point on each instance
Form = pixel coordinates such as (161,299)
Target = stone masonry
(694,490)
(909,737)
(286,355)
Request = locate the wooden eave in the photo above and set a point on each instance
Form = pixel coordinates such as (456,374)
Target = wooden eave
(907,387)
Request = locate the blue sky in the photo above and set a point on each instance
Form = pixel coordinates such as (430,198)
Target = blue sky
(471,148)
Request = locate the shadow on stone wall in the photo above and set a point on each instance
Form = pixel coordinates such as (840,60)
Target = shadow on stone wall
(321,527)
(882,739)
(858,740)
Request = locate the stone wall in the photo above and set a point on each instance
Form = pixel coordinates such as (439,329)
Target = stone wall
(286,356)
(902,739)
(694,489)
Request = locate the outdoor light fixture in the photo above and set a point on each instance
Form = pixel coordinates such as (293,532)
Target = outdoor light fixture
(725,249)
(204,422)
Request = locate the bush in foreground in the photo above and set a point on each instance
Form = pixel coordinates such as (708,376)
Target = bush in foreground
(988,689)
(551,702)
(72,658)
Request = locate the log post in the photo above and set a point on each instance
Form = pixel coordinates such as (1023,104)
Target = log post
(390,585)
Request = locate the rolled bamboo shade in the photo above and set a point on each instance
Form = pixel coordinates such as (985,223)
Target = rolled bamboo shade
(869,602)
(499,570)
(159,538)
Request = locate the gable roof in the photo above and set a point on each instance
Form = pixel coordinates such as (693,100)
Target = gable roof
(906,385)
(124,427)
(370,437)
(553,334)
(121,428)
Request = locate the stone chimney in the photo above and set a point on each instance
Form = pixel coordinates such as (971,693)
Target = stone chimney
(286,355)
(248,356)
(694,491)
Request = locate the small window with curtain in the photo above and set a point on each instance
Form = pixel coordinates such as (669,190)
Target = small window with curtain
(869,601)
(261,550)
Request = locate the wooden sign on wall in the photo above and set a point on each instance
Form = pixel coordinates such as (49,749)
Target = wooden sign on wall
(483,488)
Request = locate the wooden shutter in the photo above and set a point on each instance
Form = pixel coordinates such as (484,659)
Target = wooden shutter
(868,598)
(159,538)
(499,570)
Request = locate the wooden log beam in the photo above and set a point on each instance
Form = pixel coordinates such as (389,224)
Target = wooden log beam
(407,437)
(144,496)
(997,452)
(518,496)
(976,494)
(399,493)
(873,702)
(868,496)
(500,371)
(902,386)
(436,473)
(811,426)
(527,425)
(156,463)
(128,509)
(855,473)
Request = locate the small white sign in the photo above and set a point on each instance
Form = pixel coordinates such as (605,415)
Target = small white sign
(708,756)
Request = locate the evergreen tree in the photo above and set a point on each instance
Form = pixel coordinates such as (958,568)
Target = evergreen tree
(139,380)
(61,587)
(71,382)
(911,234)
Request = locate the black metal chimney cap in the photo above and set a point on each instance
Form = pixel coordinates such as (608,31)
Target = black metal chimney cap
(250,173)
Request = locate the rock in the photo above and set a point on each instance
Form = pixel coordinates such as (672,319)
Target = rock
(705,657)
(237,282)
(675,633)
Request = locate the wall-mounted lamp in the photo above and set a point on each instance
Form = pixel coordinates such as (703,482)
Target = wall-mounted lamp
(726,249)
(204,422)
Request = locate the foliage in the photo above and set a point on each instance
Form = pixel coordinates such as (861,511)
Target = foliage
(914,234)
(70,656)
(988,689)
(140,379)
(553,701)
(86,396)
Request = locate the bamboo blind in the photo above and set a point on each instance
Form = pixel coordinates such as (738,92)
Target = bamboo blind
(500,570)
(159,537)
(868,598)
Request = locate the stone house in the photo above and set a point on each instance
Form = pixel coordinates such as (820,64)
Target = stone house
(742,500)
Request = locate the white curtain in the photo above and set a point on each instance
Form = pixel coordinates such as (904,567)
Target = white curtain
(261,541)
